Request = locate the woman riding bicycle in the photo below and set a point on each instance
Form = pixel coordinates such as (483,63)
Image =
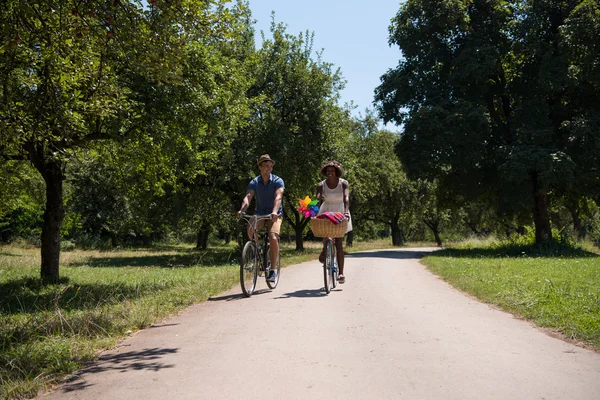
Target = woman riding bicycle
(333,194)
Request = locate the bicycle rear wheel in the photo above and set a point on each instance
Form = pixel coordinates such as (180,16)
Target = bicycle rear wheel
(327,266)
(248,269)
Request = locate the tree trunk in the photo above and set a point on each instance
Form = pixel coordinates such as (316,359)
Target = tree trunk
(298,224)
(299,239)
(53,217)
(472,226)
(436,235)
(227,237)
(541,216)
(202,241)
(349,239)
(577,226)
(434,225)
(396,233)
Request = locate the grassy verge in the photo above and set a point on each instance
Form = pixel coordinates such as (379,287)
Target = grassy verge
(49,331)
(557,288)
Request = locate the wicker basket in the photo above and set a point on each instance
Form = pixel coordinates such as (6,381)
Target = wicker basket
(324,228)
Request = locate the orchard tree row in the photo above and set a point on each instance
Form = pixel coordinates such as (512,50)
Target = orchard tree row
(129,123)
(500,104)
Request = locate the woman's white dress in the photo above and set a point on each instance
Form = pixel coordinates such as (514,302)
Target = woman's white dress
(334,201)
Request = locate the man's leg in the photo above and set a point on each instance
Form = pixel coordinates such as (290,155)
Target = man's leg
(274,252)
(252,234)
(274,228)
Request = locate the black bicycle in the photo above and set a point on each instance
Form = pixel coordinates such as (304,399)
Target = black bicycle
(255,257)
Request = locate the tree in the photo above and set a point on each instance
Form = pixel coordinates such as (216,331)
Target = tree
(382,191)
(73,73)
(431,208)
(498,95)
(294,116)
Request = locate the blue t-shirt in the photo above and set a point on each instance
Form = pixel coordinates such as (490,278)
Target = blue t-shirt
(265,194)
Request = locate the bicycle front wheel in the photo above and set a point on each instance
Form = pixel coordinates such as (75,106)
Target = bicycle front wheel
(327,266)
(249,269)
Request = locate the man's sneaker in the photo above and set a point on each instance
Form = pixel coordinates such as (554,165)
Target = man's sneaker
(272,276)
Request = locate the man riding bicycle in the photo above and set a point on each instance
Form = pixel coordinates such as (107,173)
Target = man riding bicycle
(268,189)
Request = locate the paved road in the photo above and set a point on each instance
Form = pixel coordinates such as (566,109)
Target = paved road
(393,331)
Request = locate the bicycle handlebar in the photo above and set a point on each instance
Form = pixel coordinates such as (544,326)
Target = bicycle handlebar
(254,216)
(252,220)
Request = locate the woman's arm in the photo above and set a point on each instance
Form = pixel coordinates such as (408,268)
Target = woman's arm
(320,194)
(346,193)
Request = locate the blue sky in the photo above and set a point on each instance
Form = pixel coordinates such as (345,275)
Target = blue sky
(353,34)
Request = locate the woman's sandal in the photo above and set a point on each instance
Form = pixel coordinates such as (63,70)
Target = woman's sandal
(341,279)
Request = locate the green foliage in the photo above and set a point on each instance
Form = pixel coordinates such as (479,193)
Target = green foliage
(21,199)
(594,231)
(294,117)
(380,187)
(167,83)
(293,120)
(499,100)
(23,221)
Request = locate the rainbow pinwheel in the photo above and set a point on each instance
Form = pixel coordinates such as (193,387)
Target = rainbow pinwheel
(308,207)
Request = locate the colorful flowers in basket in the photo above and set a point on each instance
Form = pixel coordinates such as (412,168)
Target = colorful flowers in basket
(308,207)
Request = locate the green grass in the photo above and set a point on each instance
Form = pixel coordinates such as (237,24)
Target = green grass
(555,287)
(49,331)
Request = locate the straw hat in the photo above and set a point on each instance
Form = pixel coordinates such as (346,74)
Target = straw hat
(263,158)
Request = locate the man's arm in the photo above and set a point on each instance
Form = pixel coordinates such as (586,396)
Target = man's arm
(246,202)
(277,203)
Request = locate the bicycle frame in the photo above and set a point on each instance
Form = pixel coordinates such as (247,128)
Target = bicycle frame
(252,221)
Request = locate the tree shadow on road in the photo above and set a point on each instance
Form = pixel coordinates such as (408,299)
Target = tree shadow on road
(146,359)
(395,254)
(545,250)
(183,260)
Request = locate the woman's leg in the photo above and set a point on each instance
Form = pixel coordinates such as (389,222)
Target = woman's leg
(340,255)
(322,255)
